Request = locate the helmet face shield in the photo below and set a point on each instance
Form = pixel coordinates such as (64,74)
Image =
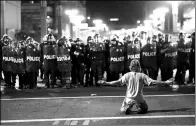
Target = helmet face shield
(6,40)
(49,39)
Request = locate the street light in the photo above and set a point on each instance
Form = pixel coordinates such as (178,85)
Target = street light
(138,21)
(88,18)
(76,19)
(71,12)
(114,19)
(97,21)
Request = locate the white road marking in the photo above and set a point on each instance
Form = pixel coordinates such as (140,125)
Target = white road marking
(56,122)
(91,97)
(86,122)
(67,122)
(98,118)
(74,123)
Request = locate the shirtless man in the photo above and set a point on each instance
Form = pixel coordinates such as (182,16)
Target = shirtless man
(134,81)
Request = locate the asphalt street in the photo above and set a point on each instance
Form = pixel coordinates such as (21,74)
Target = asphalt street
(79,107)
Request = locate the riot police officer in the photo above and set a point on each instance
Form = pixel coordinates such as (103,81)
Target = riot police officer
(1,44)
(97,50)
(88,61)
(49,60)
(7,60)
(19,63)
(149,59)
(115,59)
(167,63)
(133,51)
(32,61)
(159,46)
(64,62)
(182,60)
(192,60)
(78,62)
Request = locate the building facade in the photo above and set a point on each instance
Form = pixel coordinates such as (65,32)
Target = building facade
(10,17)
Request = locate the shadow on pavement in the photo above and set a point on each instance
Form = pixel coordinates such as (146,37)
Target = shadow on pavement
(171,110)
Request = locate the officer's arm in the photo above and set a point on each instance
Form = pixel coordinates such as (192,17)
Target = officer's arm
(164,50)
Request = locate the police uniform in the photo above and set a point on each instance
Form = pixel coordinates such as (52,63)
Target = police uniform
(168,60)
(149,59)
(78,61)
(32,61)
(49,60)
(182,60)
(1,44)
(97,50)
(7,60)
(116,60)
(88,61)
(133,51)
(160,56)
(64,62)
(192,60)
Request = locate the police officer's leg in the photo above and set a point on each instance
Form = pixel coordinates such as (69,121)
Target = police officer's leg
(46,78)
(163,73)
(170,73)
(20,80)
(92,75)
(152,73)
(63,79)
(192,71)
(82,72)
(53,78)
(27,79)
(41,72)
(73,74)
(34,79)
(87,72)
(178,74)
(13,80)
(184,68)
(7,76)
(68,79)
(78,74)
(98,73)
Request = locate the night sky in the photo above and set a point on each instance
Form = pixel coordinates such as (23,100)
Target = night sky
(128,12)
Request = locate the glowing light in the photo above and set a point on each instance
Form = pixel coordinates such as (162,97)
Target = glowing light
(160,11)
(152,16)
(77,19)
(114,19)
(138,21)
(88,18)
(71,12)
(97,21)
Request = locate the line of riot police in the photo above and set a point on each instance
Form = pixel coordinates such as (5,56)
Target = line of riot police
(78,64)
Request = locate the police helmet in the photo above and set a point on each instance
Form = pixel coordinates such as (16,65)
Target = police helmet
(29,40)
(60,42)
(49,38)
(89,39)
(6,39)
(149,38)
